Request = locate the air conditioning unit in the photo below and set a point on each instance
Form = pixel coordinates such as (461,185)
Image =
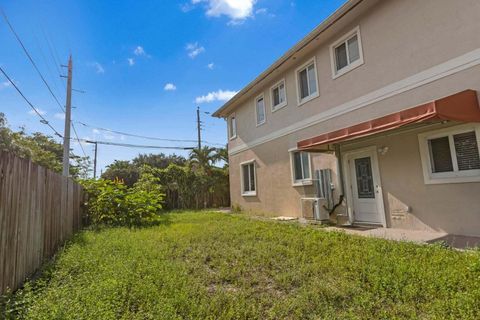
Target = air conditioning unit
(312,209)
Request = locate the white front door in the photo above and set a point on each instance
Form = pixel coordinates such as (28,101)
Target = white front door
(365,189)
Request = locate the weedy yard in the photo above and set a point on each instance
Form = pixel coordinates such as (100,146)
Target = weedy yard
(217,266)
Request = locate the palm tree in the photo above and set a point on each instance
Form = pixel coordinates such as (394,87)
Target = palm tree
(203,158)
(222,155)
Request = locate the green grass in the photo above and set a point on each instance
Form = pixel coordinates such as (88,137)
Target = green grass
(216,266)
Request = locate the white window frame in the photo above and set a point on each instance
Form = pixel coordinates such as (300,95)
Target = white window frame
(456,176)
(283,104)
(300,182)
(261,96)
(242,183)
(333,61)
(232,135)
(301,101)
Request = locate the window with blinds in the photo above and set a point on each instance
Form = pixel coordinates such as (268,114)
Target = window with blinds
(467,152)
(455,154)
(440,155)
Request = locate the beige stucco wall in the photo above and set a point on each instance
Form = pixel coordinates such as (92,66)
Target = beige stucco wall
(409,202)
(452,207)
(400,38)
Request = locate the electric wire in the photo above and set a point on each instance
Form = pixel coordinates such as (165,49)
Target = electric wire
(44,120)
(62,108)
(39,73)
(128,145)
(30,58)
(141,136)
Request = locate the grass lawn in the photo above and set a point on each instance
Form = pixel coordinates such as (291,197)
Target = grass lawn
(217,266)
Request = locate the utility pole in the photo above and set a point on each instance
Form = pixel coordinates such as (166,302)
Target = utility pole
(95,161)
(199,129)
(68,115)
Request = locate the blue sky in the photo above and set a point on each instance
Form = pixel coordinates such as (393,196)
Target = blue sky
(145,65)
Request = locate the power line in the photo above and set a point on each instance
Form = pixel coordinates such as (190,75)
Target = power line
(128,145)
(141,136)
(63,109)
(78,139)
(132,134)
(44,121)
(30,58)
(39,73)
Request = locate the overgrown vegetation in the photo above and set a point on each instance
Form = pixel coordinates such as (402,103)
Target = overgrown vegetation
(112,203)
(191,183)
(215,266)
(41,149)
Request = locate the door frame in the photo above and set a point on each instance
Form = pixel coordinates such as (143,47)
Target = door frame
(348,183)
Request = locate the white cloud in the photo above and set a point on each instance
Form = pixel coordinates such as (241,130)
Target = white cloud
(4,85)
(131,61)
(236,10)
(194,49)
(59,115)
(265,12)
(98,67)
(40,111)
(95,131)
(108,136)
(186,7)
(170,87)
(140,52)
(211,66)
(219,95)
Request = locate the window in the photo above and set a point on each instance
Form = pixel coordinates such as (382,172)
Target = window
(346,53)
(260,110)
(451,155)
(249,186)
(278,96)
(233,127)
(307,82)
(301,168)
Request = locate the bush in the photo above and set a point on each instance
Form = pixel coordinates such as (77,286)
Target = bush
(113,203)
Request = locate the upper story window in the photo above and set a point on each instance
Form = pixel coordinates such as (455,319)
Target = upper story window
(346,53)
(278,95)
(260,110)
(232,125)
(451,155)
(249,184)
(307,84)
(301,168)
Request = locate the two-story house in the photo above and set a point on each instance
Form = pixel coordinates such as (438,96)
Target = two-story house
(373,118)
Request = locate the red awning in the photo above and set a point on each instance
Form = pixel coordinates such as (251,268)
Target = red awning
(461,107)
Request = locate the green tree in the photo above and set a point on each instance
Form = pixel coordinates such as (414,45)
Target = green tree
(124,171)
(160,161)
(204,158)
(39,148)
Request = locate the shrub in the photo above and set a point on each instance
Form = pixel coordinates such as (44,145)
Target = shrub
(113,203)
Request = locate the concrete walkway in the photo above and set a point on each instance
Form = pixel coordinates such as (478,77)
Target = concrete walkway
(418,236)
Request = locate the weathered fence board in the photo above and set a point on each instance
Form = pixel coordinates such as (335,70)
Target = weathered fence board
(39,210)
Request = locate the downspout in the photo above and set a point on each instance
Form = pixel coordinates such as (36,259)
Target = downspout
(338,153)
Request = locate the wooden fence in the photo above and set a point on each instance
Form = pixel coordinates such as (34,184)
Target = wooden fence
(39,210)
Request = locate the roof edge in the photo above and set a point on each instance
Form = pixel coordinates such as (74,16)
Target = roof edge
(333,18)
